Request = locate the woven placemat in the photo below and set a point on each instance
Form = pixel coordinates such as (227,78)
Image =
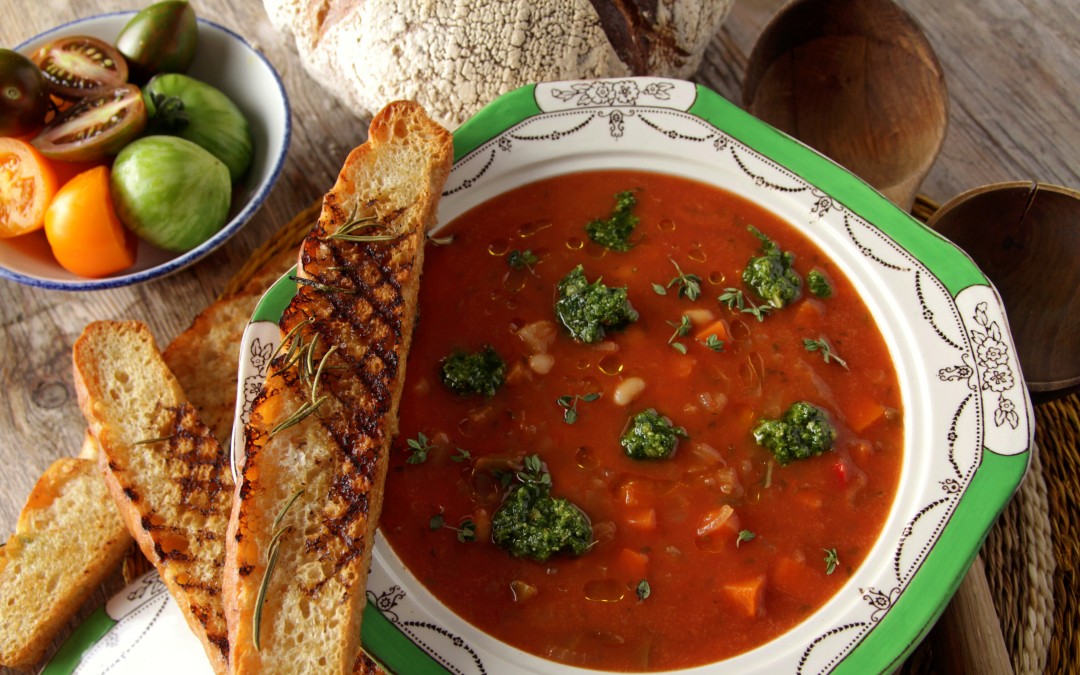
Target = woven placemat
(1030,555)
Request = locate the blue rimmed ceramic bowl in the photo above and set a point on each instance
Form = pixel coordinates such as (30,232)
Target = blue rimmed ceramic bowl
(225,60)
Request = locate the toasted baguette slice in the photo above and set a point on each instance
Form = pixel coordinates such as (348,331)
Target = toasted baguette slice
(69,538)
(317,443)
(168,476)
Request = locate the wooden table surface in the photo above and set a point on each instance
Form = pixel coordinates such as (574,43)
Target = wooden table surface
(1010,67)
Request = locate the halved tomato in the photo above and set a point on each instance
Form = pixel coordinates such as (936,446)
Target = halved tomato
(80,65)
(94,127)
(84,232)
(27,184)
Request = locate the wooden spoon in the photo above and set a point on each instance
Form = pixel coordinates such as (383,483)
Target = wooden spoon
(1025,237)
(856,80)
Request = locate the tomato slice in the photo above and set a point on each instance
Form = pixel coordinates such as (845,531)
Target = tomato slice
(80,65)
(84,232)
(27,184)
(95,126)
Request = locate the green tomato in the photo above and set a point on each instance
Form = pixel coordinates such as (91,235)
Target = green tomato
(170,191)
(212,119)
(159,39)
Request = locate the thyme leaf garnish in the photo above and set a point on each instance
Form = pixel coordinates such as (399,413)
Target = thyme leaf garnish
(820,345)
(419,448)
(714,343)
(643,589)
(689,284)
(569,405)
(736,300)
(831,560)
(744,535)
(682,329)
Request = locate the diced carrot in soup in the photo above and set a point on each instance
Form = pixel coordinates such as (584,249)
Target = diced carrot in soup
(746,595)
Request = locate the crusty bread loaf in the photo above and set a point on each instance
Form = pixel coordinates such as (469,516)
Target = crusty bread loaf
(317,443)
(166,472)
(454,57)
(68,539)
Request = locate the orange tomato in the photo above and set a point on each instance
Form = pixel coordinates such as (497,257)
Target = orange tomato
(27,184)
(84,232)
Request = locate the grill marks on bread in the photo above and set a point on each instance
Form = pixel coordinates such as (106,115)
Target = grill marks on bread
(348,330)
(167,474)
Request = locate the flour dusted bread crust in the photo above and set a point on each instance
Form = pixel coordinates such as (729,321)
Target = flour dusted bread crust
(310,493)
(167,474)
(455,56)
(69,538)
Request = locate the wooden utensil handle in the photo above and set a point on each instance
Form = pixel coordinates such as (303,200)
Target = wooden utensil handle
(967,638)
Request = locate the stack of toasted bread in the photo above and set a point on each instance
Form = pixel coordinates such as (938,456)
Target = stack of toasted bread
(271,572)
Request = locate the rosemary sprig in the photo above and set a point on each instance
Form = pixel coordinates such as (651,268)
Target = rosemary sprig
(319,371)
(820,345)
(151,441)
(347,232)
(320,286)
(271,561)
(736,300)
(298,416)
(289,338)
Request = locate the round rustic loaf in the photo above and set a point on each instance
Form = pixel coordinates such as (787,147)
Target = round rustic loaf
(455,56)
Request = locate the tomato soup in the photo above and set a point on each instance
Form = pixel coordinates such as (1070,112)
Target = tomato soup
(694,558)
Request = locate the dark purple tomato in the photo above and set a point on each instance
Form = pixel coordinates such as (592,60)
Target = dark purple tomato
(24,95)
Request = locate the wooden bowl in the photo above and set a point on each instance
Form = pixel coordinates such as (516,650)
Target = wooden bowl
(1025,237)
(856,80)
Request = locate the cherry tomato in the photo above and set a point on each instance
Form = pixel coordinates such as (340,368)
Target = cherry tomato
(24,95)
(84,232)
(94,127)
(27,184)
(80,65)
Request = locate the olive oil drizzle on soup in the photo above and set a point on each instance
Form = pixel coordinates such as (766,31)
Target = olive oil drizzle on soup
(695,557)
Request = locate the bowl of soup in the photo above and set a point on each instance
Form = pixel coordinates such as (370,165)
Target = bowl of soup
(684,395)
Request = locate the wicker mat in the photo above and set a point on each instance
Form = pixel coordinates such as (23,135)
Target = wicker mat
(1031,554)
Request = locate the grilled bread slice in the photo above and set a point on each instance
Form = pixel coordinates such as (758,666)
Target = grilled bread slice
(168,476)
(308,501)
(69,538)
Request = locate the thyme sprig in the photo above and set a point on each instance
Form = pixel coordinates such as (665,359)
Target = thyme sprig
(821,345)
(682,329)
(831,560)
(419,448)
(271,561)
(744,535)
(736,300)
(569,405)
(465,532)
(689,284)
